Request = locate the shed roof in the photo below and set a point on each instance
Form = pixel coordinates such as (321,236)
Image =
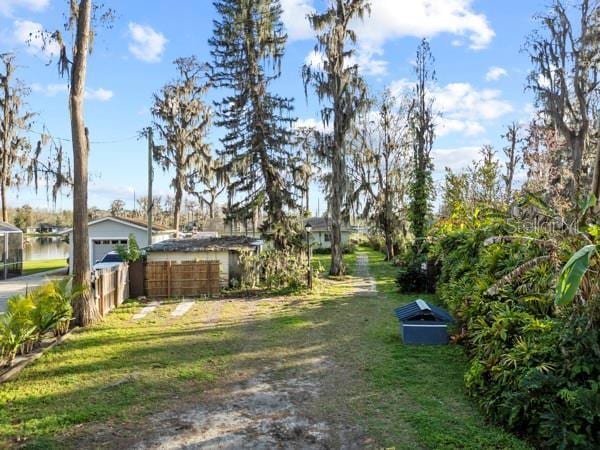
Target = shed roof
(419,307)
(207,244)
(7,227)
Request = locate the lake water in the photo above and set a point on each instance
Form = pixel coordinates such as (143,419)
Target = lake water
(40,248)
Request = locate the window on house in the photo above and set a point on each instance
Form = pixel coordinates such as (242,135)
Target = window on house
(327,238)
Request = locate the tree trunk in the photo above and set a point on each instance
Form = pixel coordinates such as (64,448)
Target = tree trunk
(335,206)
(389,245)
(6,137)
(596,180)
(177,210)
(85,308)
(3,194)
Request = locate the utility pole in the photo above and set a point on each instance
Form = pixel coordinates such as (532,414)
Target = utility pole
(150,202)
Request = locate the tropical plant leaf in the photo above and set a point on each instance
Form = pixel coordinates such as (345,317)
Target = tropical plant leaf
(571,275)
(587,204)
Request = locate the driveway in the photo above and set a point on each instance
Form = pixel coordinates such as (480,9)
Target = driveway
(19,285)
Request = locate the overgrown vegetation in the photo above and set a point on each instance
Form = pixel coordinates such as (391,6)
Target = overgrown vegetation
(273,269)
(32,316)
(534,362)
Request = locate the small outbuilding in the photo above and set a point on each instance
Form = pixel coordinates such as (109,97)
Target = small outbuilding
(423,324)
(226,250)
(11,246)
(320,235)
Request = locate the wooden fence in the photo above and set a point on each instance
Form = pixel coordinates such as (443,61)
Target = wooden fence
(111,287)
(184,279)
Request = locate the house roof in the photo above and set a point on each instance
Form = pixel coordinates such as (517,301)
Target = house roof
(7,227)
(126,221)
(210,244)
(323,224)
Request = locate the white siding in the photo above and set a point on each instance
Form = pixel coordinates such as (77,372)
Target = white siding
(317,239)
(112,230)
(221,256)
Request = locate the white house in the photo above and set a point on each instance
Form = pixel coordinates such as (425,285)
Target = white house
(107,232)
(320,234)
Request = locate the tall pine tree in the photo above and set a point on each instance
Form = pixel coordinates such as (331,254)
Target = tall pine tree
(422,126)
(247,48)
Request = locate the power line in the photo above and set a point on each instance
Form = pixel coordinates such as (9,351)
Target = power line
(114,141)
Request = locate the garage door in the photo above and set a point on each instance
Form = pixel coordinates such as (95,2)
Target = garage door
(101,247)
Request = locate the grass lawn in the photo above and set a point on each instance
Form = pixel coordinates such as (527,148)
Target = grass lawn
(31,267)
(103,387)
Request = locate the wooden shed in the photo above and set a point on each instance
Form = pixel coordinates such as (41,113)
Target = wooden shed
(224,250)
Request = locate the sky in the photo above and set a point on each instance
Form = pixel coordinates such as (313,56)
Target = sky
(481,75)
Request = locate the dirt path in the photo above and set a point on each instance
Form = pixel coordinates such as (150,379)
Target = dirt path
(366,283)
(263,406)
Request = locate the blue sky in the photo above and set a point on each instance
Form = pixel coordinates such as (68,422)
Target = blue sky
(476,43)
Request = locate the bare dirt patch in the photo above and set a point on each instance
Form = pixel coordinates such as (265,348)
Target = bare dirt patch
(257,407)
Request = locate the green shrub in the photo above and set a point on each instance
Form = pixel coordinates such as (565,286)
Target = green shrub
(130,252)
(348,249)
(376,242)
(21,308)
(30,317)
(534,367)
(273,269)
(13,333)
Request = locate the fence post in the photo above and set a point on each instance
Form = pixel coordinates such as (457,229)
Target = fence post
(169,280)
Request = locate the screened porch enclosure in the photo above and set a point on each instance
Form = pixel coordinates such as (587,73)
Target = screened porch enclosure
(11,249)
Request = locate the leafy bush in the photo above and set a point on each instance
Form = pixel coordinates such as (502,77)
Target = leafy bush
(21,308)
(13,333)
(130,252)
(348,249)
(273,269)
(416,273)
(534,366)
(30,317)
(413,278)
(376,242)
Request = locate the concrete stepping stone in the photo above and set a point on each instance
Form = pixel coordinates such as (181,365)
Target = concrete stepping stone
(145,310)
(182,308)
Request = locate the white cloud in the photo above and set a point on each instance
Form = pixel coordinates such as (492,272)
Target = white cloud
(31,35)
(400,18)
(467,127)
(463,101)
(100,94)
(295,20)
(314,59)
(146,44)
(454,158)
(495,73)
(367,62)
(51,90)
(8,6)
(425,18)
(462,107)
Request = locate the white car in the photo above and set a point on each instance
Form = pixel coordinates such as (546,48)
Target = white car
(111,259)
